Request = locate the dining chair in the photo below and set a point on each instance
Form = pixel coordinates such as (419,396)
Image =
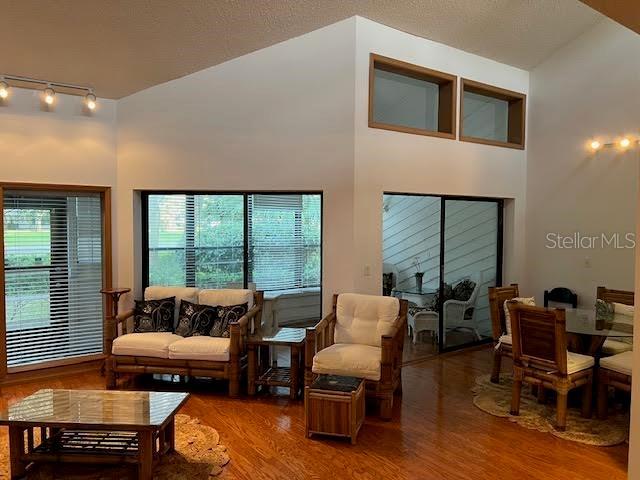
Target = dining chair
(614,371)
(613,346)
(502,341)
(560,295)
(541,359)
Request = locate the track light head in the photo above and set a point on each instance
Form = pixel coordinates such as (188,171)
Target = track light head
(49,95)
(4,89)
(90,101)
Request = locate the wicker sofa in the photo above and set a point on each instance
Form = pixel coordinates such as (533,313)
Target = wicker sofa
(167,353)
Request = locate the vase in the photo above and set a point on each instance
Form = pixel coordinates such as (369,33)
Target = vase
(419,276)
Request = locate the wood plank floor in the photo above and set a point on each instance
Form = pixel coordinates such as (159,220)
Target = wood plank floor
(436,433)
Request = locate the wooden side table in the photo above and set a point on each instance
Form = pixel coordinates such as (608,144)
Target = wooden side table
(334,405)
(261,373)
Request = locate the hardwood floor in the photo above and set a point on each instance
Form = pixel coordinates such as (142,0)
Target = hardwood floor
(436,433)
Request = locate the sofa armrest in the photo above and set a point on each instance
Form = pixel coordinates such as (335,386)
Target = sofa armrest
(121,318)
(238,330)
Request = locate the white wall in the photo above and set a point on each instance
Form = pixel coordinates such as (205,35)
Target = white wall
(277,119)
(64,146)
(399,162)
(588,89)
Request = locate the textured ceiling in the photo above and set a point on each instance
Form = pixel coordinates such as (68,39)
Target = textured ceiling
(123,46)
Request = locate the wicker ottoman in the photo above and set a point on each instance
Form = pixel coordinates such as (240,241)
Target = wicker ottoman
(334,405)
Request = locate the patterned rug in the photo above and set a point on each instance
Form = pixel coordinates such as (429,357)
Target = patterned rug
(496,400)
(198,456)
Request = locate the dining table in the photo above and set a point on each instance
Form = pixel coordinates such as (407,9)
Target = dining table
(587,332)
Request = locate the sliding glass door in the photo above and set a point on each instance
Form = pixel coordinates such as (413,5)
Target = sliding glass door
(441,254)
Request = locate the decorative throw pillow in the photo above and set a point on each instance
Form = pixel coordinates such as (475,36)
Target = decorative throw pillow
(463,290)
(530,301)
(225,315)
(194,319)
(154,315)
(446,294)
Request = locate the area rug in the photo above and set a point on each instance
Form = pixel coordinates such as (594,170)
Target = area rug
(496,400)
(198,455)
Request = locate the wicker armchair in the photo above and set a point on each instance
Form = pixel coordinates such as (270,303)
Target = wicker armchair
(363,337)
(166,353)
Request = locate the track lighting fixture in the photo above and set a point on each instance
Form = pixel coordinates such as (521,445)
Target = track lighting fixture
(622,143)
(90,101)
(49,95)
(4,89)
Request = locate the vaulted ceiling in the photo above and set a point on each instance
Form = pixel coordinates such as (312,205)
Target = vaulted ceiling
(123,46)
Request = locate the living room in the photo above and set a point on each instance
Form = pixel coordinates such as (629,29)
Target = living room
(198,147)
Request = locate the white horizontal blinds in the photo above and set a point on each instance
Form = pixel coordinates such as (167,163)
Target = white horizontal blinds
(167,234)
(196,240)
(219,241)
(53,275)
(284,241)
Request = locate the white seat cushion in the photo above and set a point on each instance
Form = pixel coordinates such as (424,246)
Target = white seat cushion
(181,293)
(577,362)
(613,347)
(620,363)
(351,360)
(506,339)
(622,309)
(152,344)
(225,297)
(215,349)
(364,319)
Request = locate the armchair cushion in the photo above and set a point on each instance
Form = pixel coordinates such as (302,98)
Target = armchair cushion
(154,344)
(364,319)
(350,360)
(577,362)
(226,297)
(215,349)
(620,363)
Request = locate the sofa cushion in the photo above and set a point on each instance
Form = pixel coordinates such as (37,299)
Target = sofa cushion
(154,315)
(154,344)
(215,349)
(620,363)
(226,296)
(364,319)
(189,294)
(350,360)
(195,319)
(577,362)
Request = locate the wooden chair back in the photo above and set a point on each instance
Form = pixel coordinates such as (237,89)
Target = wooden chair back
(539,338)
(560,295)
(497,297)
(618,296)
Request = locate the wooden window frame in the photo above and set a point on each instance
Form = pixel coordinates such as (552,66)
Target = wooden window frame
(447,93)
(516,123)
(55,367)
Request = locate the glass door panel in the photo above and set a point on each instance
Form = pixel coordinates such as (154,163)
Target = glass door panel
(470,265)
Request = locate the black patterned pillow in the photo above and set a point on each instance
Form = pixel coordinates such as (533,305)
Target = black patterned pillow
(463,290)
(194,319)
(154,315)
(226,315)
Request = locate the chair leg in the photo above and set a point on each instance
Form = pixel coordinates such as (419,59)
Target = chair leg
(111,375)
(234,387)
(515,397)
(386,407)
(561,413)
(497,361)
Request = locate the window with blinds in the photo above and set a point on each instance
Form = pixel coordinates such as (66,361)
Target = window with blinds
(53,275)
(228,240)
(284,241)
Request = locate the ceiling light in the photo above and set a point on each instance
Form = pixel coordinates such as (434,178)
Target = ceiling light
(4,89)
(90,100)
(595,145)
(49,95)
(625,143)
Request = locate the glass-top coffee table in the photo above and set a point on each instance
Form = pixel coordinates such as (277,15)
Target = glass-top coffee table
(92,426)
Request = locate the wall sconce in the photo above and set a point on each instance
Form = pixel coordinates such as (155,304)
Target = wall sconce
(623,143)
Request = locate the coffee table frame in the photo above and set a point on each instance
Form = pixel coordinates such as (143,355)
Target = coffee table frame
(90,443)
